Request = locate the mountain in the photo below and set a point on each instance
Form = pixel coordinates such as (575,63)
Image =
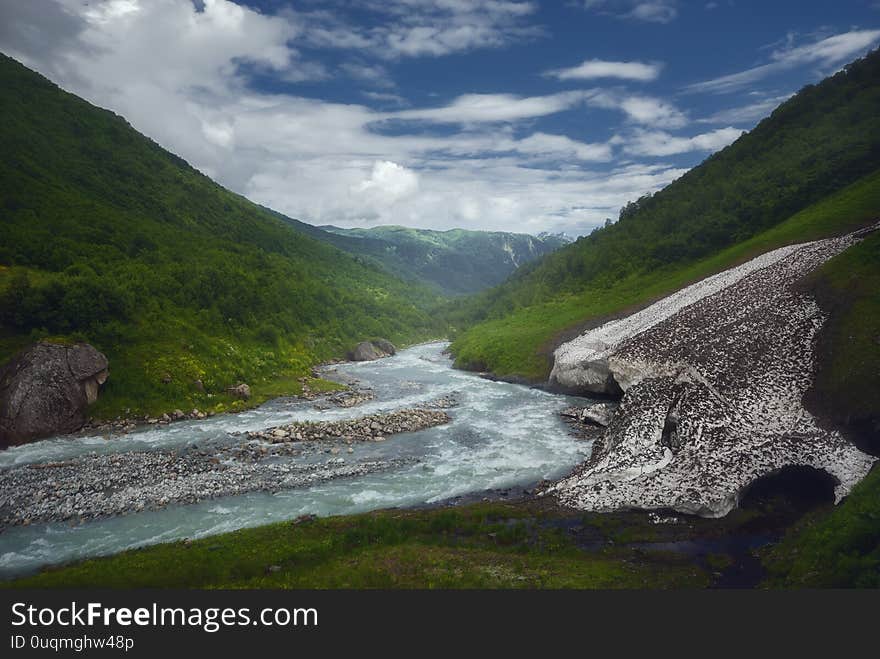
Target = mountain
(784,182)
(454,262)
(185,286)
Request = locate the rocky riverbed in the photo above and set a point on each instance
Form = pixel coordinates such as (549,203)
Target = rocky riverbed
(712,381)
(65,498)
(95,486)
(98,486)
(369,428)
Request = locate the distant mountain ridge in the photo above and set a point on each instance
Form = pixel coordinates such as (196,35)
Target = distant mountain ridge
(455,261)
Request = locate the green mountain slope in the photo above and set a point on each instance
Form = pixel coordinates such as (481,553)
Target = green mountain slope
(454,262)
(729,208)
(109,238)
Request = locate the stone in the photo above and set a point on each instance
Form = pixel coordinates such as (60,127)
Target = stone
(385,346)
(46,388)
(241,391)
(599,414)
(372,350)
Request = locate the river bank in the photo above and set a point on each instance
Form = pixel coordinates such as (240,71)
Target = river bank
(442,434)
(527,542)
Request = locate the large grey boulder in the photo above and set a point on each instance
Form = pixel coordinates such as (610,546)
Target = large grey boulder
(385,346)
(45,389)
(370,350)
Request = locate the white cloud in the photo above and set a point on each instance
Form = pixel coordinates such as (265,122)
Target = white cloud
(386,97)
(652,11)
(660,143)
(557,146)
(372,74)
(389,183)
(645,110)
(325,162)
(827,52)
(746,113)
(471,108)
(419,28)
(594,68)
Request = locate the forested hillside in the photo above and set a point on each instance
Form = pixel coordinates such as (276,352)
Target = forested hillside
(109,238)
(814,145)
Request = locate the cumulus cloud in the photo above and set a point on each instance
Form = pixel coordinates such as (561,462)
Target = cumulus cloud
(595,68)
(389,182)
(825,53)
(474,161)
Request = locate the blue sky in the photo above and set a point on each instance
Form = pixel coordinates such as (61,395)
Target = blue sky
(487,114)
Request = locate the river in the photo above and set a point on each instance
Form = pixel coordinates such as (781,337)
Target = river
(501,436)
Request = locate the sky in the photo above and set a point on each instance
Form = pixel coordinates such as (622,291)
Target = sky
(503,115)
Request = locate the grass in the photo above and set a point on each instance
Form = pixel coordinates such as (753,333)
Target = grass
(476,546)
(847,387)
(132,388)
(520,343)
(530,544)
(836,550)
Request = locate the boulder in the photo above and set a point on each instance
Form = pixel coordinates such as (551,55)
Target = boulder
(385,346)
(45,389)
(240,391)
(599,414)
(370,350)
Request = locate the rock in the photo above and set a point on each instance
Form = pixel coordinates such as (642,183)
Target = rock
(240,391)
(371,350)
(599,414)
(365,352)
(385,346)
(45,390)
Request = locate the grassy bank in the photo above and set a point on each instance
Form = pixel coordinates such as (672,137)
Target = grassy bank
(475,546)
(847,387)
(521,544)
(521,343)
(836,550)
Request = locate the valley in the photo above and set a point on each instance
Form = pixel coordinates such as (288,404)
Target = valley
(729,321)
